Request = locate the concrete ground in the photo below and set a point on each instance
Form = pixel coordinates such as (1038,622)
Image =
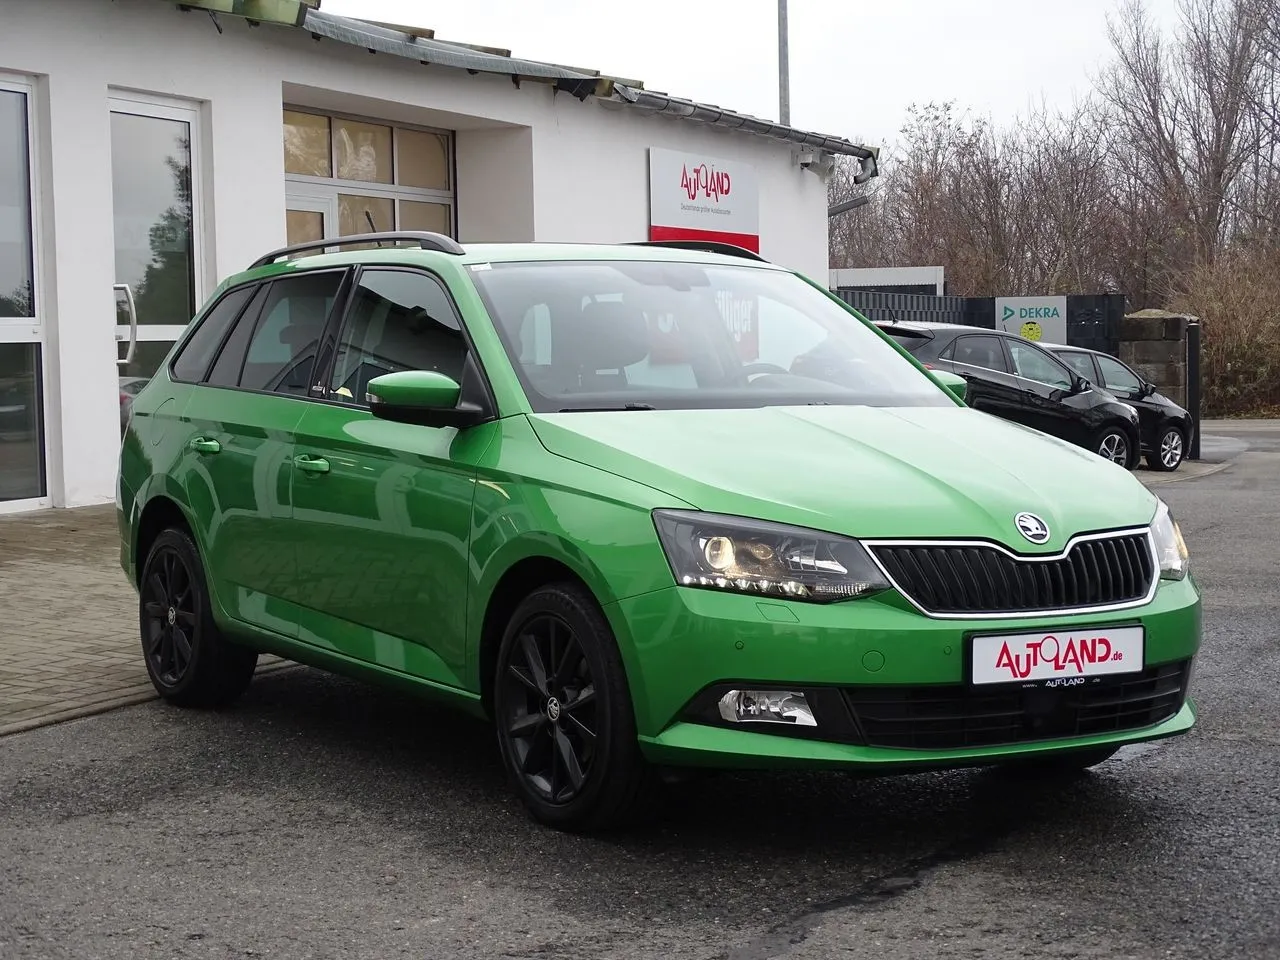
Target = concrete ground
(323,818)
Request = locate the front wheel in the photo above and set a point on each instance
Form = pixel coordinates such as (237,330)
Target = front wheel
(1169,451)
(1112,443)
(189,661)
(563,713)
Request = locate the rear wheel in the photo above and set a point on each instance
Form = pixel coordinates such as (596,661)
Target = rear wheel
(563,712)
(189,661)
(1169,450)
(1114,444)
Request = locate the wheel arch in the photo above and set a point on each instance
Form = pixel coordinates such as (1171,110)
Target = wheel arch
(162,508)
(523,567)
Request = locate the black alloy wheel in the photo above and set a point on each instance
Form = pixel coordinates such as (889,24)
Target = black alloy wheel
(562,708)
(1169,451)
(189,661)
(552,718)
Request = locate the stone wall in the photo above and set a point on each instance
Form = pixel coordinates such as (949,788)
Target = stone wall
(1154,343)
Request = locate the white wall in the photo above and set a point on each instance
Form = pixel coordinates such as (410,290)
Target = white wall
(531,165)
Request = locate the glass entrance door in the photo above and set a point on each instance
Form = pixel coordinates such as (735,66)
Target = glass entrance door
(159,278)
(22,449)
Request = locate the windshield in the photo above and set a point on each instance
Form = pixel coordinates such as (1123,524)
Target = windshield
(646,334)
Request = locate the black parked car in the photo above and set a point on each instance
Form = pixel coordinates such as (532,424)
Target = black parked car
(1166,428)
(1011,377)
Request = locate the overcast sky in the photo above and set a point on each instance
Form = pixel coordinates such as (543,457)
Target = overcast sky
(855,66)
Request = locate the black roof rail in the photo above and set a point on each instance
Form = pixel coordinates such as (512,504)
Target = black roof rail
(427,241)
(706,246)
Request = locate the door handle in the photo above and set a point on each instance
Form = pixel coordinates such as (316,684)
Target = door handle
(205,445)
(312,464)
(132,308)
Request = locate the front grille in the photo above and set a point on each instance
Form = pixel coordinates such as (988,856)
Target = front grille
(978,579)
(956,716)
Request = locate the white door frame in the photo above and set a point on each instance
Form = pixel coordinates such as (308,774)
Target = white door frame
(183,111)
(33,329)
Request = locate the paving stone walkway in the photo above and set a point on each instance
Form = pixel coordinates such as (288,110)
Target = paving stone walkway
(68,620)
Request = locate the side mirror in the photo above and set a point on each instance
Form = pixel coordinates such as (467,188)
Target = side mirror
(954,384)
(1146,390)
(1080,385)
(422,397)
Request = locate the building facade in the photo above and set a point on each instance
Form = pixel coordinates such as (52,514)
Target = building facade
(148,150)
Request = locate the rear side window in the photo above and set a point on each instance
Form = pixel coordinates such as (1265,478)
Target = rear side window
(980,351)
(192,363)
(274,347)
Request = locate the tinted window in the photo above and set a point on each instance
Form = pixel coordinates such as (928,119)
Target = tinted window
(1081,363)
(398,320)
(197,353)
(674,335)
(226,369)
(282,351)
(1036,364)
(979,351)
(1117,377)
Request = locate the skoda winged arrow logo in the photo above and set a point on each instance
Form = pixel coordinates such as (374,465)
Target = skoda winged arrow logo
(1032,527)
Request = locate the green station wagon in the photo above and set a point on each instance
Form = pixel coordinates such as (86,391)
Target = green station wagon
(645,507)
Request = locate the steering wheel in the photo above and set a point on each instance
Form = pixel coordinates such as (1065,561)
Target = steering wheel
(759,367)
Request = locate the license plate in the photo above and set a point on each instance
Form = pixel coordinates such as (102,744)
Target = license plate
(1057,657)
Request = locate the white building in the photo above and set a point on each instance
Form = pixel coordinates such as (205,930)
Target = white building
(153,148)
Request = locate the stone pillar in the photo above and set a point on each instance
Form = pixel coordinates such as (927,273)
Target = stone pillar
(1154,342)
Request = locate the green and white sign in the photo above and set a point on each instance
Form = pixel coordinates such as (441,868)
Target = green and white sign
(1036,318)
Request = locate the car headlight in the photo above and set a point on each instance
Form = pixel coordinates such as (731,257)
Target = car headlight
(1171,549)
(769,559)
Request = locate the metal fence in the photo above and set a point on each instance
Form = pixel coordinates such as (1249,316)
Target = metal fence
(1093,321)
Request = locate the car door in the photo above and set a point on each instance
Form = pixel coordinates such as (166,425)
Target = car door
(981,360)
(1046,383)
(238,456)
(1119,379)
(383,509)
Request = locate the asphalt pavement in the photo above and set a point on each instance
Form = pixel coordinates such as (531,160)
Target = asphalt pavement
(320,818)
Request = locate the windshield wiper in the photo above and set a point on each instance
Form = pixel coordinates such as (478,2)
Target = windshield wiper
(624,406)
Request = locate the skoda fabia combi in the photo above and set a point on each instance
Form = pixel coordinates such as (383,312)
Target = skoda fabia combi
(644,507)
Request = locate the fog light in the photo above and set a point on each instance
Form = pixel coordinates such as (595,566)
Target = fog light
(766,706)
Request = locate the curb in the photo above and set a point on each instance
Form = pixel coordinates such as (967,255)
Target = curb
(130,697)
(1174,478)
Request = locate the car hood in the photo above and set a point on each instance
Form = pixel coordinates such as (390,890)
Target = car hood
(860,471)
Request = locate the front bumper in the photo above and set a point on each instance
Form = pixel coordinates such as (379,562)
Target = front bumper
(677,643)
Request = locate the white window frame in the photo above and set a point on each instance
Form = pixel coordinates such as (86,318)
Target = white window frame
(191,113)
(300,185)
(32,329)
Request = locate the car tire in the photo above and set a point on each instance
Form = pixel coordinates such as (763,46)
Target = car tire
(189,661)
(1114,443)
(565,723)
(1065,764)
(1170,448)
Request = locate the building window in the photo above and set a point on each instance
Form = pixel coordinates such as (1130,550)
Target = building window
(348,176)
(22,454)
